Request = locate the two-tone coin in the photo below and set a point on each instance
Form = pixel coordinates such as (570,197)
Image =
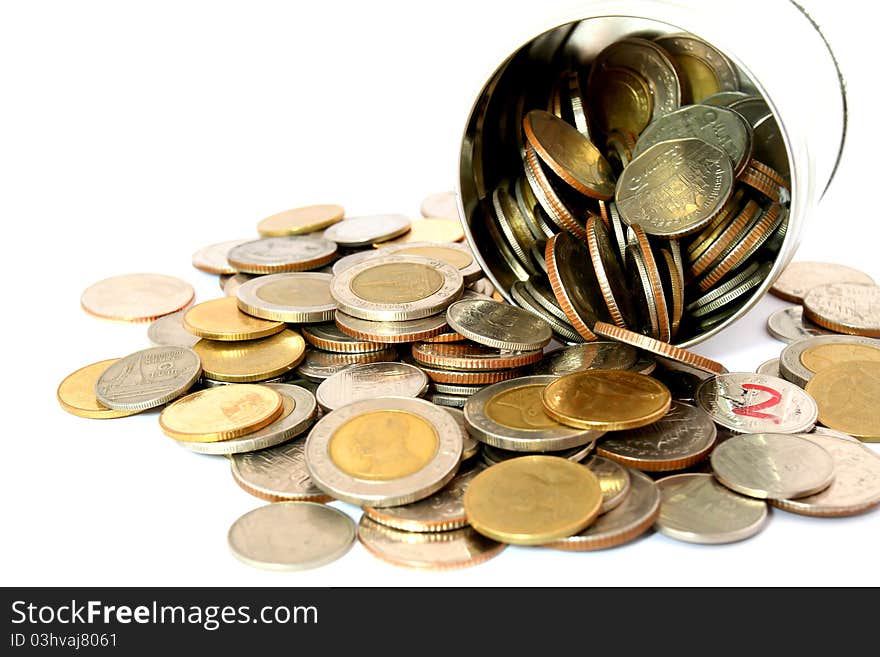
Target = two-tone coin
(704,70)
(300,297)
(846,395)
(801,360)
(457,255)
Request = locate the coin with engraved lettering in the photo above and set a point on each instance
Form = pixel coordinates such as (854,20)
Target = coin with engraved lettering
(212,258)
(772,465)
(168,331)
(620,100)
(298,221)
(385,451)
(458,548)
(136,297)
(511,415)
(695,508)
(789,325)
(365,230)
(703,69)
(588,356)
(798,278)
(148,378)
(725,294)
(272,255)
(754,403)
(319,365)
(770,368)
(678,440)
(251,360)
(328,337)
(470,445)
(801,360)
(300,297)
(277,474)
(441,204)
(76,393)
(391,332)
(845,308)
(498,325)
(847,395)
(370,380)
(625,522)
(291,536)
(856,485)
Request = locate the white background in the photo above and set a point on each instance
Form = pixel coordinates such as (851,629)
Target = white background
(132,134)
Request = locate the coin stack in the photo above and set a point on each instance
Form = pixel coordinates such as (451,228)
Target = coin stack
(647,190)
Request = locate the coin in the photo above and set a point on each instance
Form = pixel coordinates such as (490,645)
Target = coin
(614,480)
(725,294)
(825,431)
(852,308)
(470,446)
(772,465)
(800,360)
(327,336)
(445,400)
(724,98)
(319,365)
(291,536)
(277,474)
(620,99)
(575,285)
(678,440)
(363,231)
(369,380)
(297,221)
(516,232)
(592,355)
(251,360)
(384,452)
(675,187)
(609,273)
(221,413)
(391,332)
(136,297)
(606,400)
(230,287)
(847,396)
(571,155)
(469,377)
(457,255)
(168,331)
(633,517)
(527,302)
(458,548)
(76,393)
(719,232)
(660,349)
(510,415)
(696,508)
(148,378)
(654,288)
(703,69)
(396,288)
(441,512)
(220,319)
(532,500)
(753,108)
(681,379)
(470,356)
(549,198)
(673,290)
(798,278)
(645,312)
(789,325)
(770,368)
(441,204)
(498,325)
(272,255)
(540,290)
(431,229)
(491,455)
(301,297)
(212,258)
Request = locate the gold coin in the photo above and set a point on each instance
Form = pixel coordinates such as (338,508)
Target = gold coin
(396,282)
(221,413)
(847,395)
(455,257)
(823,356)
(251,360)
(433,229)
(532,500)
(606,400)
(621,100)
(220,319)
(76,393)
(520,408)
(383,445)
(136,297)
(300,220)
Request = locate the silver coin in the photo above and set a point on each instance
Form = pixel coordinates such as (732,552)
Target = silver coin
(482,286)
(372,480)
(319,365)
(856,485)
(718,126)
(277,474)
(727,292)
(769,368)
(370,380)
(617,228)
(458,548)
(645,317)
(696,508)
(680,439)
(352,259)
(300,297)
(540,291)
(789,325)
(168,331)
(442,511)
(510,415)
(456,254)
(755,403)
(563,329)
(498,325)
(442,204)
(723,98)
(754,109)
(516,234)
(684,47)
(492,455)
(212,259)
(848,307)
(230,287)
(772,465)
(279,254)
(148,378)
(614,480)
(589,356)
(291,536)
(825,431)
(526,201)
(446,401)
(392,332)
(470,445)
(646,364)
(799,277)
(297,416)
(791,364)
(396,288)
(457,389)
(633,517)
(206,382)
(328,337)
(365,230)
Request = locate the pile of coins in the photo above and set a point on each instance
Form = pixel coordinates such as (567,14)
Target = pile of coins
(648,190)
